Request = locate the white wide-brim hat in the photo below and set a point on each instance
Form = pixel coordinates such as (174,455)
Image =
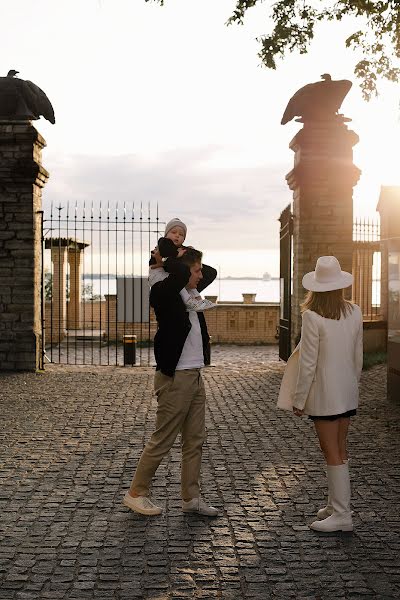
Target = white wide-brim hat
(328,276)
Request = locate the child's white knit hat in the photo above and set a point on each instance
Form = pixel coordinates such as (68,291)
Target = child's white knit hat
(175,223)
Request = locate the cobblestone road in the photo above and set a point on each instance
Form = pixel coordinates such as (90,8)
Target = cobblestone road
(70,440)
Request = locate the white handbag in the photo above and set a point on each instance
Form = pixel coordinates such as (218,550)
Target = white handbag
(289,380)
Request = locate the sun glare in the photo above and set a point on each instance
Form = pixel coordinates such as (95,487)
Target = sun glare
(377,157)
(380,156)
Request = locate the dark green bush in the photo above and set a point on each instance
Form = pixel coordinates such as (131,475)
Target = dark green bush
(373,358)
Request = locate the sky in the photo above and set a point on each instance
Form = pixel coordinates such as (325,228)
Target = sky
(167,105)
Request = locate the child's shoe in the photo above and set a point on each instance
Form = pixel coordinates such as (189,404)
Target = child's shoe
(199,304)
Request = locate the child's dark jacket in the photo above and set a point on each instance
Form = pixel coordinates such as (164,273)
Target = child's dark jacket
(166,248)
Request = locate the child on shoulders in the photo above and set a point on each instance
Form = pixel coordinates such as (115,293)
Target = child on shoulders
(171,246)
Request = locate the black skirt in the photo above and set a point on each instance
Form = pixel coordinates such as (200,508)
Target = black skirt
(349,413)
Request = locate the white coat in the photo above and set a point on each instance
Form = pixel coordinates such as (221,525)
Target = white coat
(322,374)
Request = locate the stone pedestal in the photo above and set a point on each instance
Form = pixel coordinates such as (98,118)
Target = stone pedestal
(322,182)
(249,298)
(22,178)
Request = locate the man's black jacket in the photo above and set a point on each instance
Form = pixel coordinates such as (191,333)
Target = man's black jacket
(172,317)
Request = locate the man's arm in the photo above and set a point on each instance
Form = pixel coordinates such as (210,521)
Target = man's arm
(209,274)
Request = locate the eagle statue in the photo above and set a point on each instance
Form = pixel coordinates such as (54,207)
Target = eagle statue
(317,101)
(23,100)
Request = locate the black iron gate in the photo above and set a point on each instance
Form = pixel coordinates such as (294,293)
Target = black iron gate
(95,284)
(286,233)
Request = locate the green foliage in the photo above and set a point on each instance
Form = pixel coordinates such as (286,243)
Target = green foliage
(88,295)
(378,38)
(48,284)
(373,358)
(87,290)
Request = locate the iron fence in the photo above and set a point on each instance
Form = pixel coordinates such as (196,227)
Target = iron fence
(95,269)
(367,267)
(95,290)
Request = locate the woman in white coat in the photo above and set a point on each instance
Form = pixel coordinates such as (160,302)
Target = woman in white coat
(322,376)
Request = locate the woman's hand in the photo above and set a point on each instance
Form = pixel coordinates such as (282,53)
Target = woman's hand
(298,412)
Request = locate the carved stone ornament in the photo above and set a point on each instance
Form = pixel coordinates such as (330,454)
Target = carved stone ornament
(23,100)
(317,101)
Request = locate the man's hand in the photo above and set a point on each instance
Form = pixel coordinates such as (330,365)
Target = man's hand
(157,256)
(298,412)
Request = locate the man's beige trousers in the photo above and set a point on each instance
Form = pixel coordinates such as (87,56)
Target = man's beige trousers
(181,409)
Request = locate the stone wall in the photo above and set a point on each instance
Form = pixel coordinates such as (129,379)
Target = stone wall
(389,209)
(233,323)
(22,178)
(230,322)
(240,323)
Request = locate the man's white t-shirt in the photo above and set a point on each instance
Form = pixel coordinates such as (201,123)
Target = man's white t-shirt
(192,356)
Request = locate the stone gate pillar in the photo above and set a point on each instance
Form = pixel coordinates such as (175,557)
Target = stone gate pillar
(22,178)
(322,182)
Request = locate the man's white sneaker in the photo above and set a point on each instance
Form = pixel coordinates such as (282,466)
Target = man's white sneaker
(199,305)
(197,505)
(141,504)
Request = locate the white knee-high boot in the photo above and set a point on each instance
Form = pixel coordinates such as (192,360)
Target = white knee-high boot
(339,493)
(325,512)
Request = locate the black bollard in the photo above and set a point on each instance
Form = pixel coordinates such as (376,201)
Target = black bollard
(129,342)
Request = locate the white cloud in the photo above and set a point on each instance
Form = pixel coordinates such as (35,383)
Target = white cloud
(223,208)
(168,105)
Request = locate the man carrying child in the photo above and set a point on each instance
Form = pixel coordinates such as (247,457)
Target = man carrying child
(181,348)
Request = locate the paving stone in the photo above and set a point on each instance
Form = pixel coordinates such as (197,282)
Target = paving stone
(69,444)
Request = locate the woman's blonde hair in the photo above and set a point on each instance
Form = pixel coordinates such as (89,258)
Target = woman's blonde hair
(330,305)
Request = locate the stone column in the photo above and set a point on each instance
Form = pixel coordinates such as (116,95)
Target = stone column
(22,178)
(75,288)
(58,324)
(322,182)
